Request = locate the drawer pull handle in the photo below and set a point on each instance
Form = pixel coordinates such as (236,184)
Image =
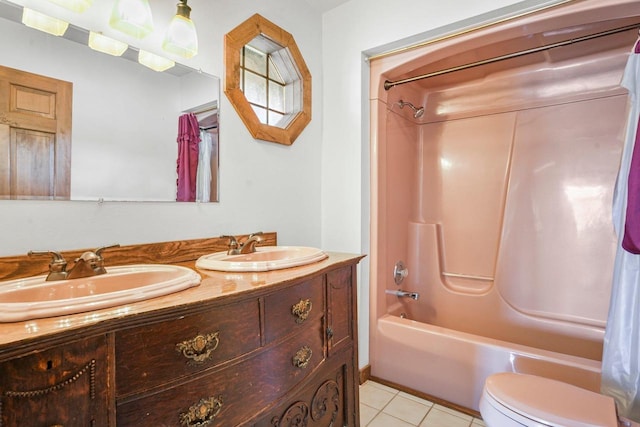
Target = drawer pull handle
(301,310)
(199,348)
(202,413)
(302,357)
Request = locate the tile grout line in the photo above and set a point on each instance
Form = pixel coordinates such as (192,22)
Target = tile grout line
(397,393)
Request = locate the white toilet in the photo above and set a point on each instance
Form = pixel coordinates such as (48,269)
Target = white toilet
(511,399)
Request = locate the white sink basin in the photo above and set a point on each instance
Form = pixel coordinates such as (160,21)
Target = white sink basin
(33,297)
(265,258)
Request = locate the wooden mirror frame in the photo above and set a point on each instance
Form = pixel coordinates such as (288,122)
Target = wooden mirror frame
(234,41)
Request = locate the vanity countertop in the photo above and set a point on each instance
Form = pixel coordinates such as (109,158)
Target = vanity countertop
(214,284)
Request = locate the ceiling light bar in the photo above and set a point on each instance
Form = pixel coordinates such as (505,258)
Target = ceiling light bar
(105,44)
(153,61)
(42,22)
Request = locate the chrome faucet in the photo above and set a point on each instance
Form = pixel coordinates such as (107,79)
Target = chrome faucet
(88,264)
(403,294)
(246,247)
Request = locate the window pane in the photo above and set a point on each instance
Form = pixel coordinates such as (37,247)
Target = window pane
(255,89)
(274,73)
(261,113)
(255,60)
(276,96)
(274,117)
(241,79)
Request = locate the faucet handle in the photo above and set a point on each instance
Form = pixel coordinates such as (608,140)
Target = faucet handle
(99,250)
(233,242)
(256,234)
(57,266)
(95,259)
(57,259)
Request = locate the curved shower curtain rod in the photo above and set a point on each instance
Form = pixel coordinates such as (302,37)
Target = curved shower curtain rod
(389,84)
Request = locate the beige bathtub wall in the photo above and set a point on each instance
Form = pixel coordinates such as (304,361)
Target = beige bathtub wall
(465,164)
(566,159)
(499,197)
(401,184)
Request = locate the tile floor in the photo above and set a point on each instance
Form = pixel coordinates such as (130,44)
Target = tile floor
(383,406)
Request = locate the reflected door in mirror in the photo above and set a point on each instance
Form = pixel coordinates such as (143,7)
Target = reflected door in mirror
(35,136)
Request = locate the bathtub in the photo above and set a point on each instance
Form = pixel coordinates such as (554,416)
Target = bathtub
(497,198)
(452,365)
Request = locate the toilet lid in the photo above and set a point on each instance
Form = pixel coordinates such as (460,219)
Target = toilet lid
(551,402)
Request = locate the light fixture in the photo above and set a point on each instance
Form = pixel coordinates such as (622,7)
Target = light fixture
(181,38)
(106,44)
(42,22)
(74,5)
(153,61)
(132,17)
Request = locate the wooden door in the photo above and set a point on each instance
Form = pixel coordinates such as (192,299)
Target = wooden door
(35,136)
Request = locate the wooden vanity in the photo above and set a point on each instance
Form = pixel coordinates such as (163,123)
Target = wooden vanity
(277,348)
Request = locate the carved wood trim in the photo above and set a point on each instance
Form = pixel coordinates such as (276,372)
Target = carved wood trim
(327,398)
(29,394)
(90,367)
(297,415)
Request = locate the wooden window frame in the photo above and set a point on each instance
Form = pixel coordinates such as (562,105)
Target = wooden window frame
(234,41)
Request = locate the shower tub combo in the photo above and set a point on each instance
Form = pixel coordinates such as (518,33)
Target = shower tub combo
(493,186)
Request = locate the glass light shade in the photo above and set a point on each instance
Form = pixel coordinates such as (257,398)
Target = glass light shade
(75,5)
(132,17)
(42,22)
(181,38)
(106,44)
(153,61)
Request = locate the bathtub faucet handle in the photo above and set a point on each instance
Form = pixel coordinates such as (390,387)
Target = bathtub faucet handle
(400,272)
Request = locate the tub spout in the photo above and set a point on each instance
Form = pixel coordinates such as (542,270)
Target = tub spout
(403,294)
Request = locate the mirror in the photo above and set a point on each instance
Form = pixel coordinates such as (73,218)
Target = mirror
(124,116)
(260,60)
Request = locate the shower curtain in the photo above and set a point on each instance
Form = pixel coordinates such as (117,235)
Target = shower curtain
(621,356)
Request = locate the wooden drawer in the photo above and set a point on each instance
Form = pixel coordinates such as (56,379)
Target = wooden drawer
(153,354)
(232,395)
(64,385)
(292,308)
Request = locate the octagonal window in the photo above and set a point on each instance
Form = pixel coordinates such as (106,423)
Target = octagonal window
(267,81)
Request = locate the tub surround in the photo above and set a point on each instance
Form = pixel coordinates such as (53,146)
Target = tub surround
(498,201)
(238,334)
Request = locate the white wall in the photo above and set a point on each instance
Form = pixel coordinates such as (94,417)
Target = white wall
(263,186)
(349,31)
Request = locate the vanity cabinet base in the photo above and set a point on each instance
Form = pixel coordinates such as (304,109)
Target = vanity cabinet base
(299,367)
(254,349)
